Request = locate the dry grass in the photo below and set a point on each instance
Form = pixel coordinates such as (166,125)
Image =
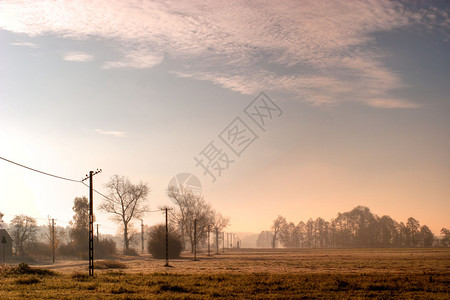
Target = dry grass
(377,273)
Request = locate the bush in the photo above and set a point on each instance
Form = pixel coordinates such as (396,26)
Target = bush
(38,250)
(68,250)
(157,242)
(24,268)
(105,248)
(109,264)
(131,252)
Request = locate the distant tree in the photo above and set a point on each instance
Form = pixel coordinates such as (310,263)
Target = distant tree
(426,236)
(363,225)
(219,223)
(157,242)
(321,230)
(446,237)
(276,227)
(289,235)
(126,201)
(47,236)
(309,233)
(80,226)
(404,239)
(23,229)
(301,233)
(190,207)
(356,228)
(413,229)
(388,234)
(265,239)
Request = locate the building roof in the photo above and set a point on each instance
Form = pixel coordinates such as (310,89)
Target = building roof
(4,233)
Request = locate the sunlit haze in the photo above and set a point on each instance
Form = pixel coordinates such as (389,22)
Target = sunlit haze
(360,93)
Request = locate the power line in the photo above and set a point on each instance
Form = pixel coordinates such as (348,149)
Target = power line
(97,192)
(151,211)
(45,173)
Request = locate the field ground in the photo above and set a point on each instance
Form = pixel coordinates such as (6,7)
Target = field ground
(247,273)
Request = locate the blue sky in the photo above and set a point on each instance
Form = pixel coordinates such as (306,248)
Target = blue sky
(138,88)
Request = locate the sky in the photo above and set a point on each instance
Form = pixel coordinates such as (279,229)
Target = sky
(294,108)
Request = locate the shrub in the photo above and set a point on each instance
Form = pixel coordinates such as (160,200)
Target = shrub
(38,250)
(131,252)
(109,264)
(67,250)
(24,268)
(105,248)
(157,242)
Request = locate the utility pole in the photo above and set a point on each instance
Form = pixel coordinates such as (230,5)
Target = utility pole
(228,245)
(142,235)
(231,241)
(53,240)
(91,220)
(167,240)
(223,242)
(98,237)
(217,240)
(195,239)
(209,247)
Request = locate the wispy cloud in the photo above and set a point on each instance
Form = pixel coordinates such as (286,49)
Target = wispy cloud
(78,56)
(136,59)
(113,133)
(392,103)
(25,44)
(322,52)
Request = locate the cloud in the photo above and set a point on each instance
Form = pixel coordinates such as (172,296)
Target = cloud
(113,133)
(392,103)
(321,52)
(136,59)
(25,44)
(78,56)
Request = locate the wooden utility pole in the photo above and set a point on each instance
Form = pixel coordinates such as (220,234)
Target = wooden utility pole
(142,235)
(195,239)
(98,237)
(217,240)
(209,247)
(53,240)
(91,220)
(167,240)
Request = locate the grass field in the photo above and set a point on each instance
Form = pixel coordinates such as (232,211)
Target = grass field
(280,273)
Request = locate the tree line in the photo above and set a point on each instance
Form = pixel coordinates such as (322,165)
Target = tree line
(353,229)
(33,241)
(192,221)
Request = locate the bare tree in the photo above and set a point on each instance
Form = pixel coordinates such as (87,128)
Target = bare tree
(190,207)
(23,231)
(276,227)
(126,201)
(219,223)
